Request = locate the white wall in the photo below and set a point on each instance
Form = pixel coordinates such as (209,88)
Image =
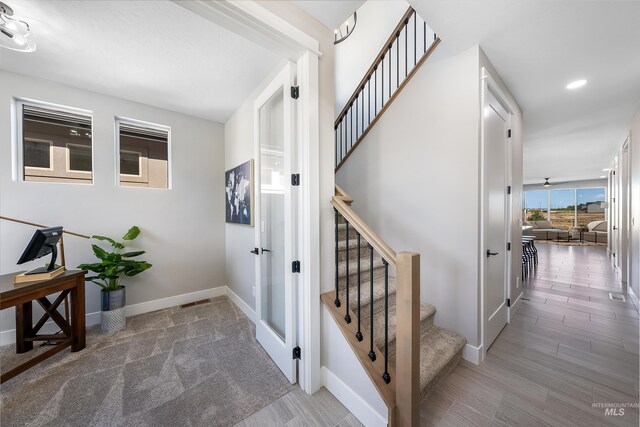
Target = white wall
(354,55)
(634,253)
(182,228)
(415,180)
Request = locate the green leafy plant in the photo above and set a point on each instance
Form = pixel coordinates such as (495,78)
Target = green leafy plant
(536,215)
(114,265)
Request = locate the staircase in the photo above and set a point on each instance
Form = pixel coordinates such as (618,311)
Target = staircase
(376,316)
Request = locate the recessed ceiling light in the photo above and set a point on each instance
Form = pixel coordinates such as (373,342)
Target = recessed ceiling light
(606,169)
(603,176)
(576,84)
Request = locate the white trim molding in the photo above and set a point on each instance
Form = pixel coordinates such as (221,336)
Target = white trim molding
(472,354)
(255,23)
(633,297)
(243,306)
(351,400)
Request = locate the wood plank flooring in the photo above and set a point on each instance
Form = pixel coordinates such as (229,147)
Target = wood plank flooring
(297,408)
(567,352)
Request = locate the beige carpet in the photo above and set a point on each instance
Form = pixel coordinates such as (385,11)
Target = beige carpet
(196,366)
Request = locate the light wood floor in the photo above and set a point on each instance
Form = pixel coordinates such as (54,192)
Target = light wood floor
(567,348)
(297,408)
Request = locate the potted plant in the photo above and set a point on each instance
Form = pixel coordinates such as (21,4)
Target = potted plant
(109,271)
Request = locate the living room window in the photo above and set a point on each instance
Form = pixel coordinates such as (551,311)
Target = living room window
(536,205)
(55,142)
(143,154)
(589,205)
(565,208)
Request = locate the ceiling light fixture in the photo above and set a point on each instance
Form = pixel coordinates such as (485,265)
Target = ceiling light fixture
(576,84)
(606,169)
(546,183)
(14,33)
(603,176)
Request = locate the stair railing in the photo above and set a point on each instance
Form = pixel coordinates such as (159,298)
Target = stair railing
(409,45)
(399,389)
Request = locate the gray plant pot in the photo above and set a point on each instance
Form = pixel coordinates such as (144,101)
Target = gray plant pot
(113,305)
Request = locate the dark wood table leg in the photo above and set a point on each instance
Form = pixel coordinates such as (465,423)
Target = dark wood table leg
(24,324)
(78,330)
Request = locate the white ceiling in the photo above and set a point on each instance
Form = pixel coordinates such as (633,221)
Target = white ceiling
(331,13)
(538,47)
(153,52)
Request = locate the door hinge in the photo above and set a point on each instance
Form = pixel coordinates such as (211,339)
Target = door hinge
(508,246)
(297,353)
(295,179)
(614,172)
(508,302)
(295,92)
(509,189)
(509,133)
(295,266)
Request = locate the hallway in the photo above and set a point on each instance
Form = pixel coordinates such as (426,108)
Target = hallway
(568,351)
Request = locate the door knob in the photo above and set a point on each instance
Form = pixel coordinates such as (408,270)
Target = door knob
(489,253)
(255,251)
(265,250)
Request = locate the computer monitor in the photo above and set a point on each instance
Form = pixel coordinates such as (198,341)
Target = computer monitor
(42,243)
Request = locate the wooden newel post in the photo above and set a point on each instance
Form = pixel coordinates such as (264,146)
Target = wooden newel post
(408,340)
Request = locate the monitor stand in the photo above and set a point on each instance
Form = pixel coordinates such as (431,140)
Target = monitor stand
(50,267)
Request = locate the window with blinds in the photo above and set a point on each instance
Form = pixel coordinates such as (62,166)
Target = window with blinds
(56,144)
(143,154)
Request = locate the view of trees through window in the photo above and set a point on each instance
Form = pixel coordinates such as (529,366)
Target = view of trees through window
(565,208)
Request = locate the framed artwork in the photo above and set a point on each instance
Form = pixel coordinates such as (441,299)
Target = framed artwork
(239,194)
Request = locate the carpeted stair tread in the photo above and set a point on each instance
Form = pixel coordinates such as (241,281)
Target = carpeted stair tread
(427,311)
(364,267)
(440,352)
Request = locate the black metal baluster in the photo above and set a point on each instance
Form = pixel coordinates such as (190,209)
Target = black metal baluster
(351,126)
(369,103)
(357,117)
(359,333)
(346,140)
(385,376)
(363,109)
(415,39)
(347,318)
(397,59)
(341,142)
(382,83)
(335,133)
(406,46)
(390,73)
(372,354)
(375,91)
(337,300)
(425,36)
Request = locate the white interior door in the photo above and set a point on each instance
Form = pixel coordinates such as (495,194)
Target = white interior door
(495,290)
(274,231)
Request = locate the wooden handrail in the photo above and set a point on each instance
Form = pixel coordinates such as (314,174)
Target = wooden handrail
(374,64)
(339,202)
(42,226)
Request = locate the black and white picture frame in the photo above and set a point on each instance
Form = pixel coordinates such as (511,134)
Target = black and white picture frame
(239,194)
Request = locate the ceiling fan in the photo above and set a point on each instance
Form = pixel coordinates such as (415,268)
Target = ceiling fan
(546,183)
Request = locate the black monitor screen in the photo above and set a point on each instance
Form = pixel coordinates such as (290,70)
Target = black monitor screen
(41,244)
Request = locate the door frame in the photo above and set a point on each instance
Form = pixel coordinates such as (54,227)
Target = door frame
(487,83)
(251,20)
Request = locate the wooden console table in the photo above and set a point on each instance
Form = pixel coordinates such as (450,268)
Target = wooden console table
(21,296)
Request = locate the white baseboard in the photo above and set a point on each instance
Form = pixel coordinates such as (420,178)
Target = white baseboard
(633,297)
(162,303)
(9,336)
(352,401)
(472,354)
(246,309)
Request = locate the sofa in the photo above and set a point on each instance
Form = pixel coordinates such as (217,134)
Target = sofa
(596,232)
(545,230)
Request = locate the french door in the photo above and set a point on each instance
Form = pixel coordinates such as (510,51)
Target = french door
(275,238)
